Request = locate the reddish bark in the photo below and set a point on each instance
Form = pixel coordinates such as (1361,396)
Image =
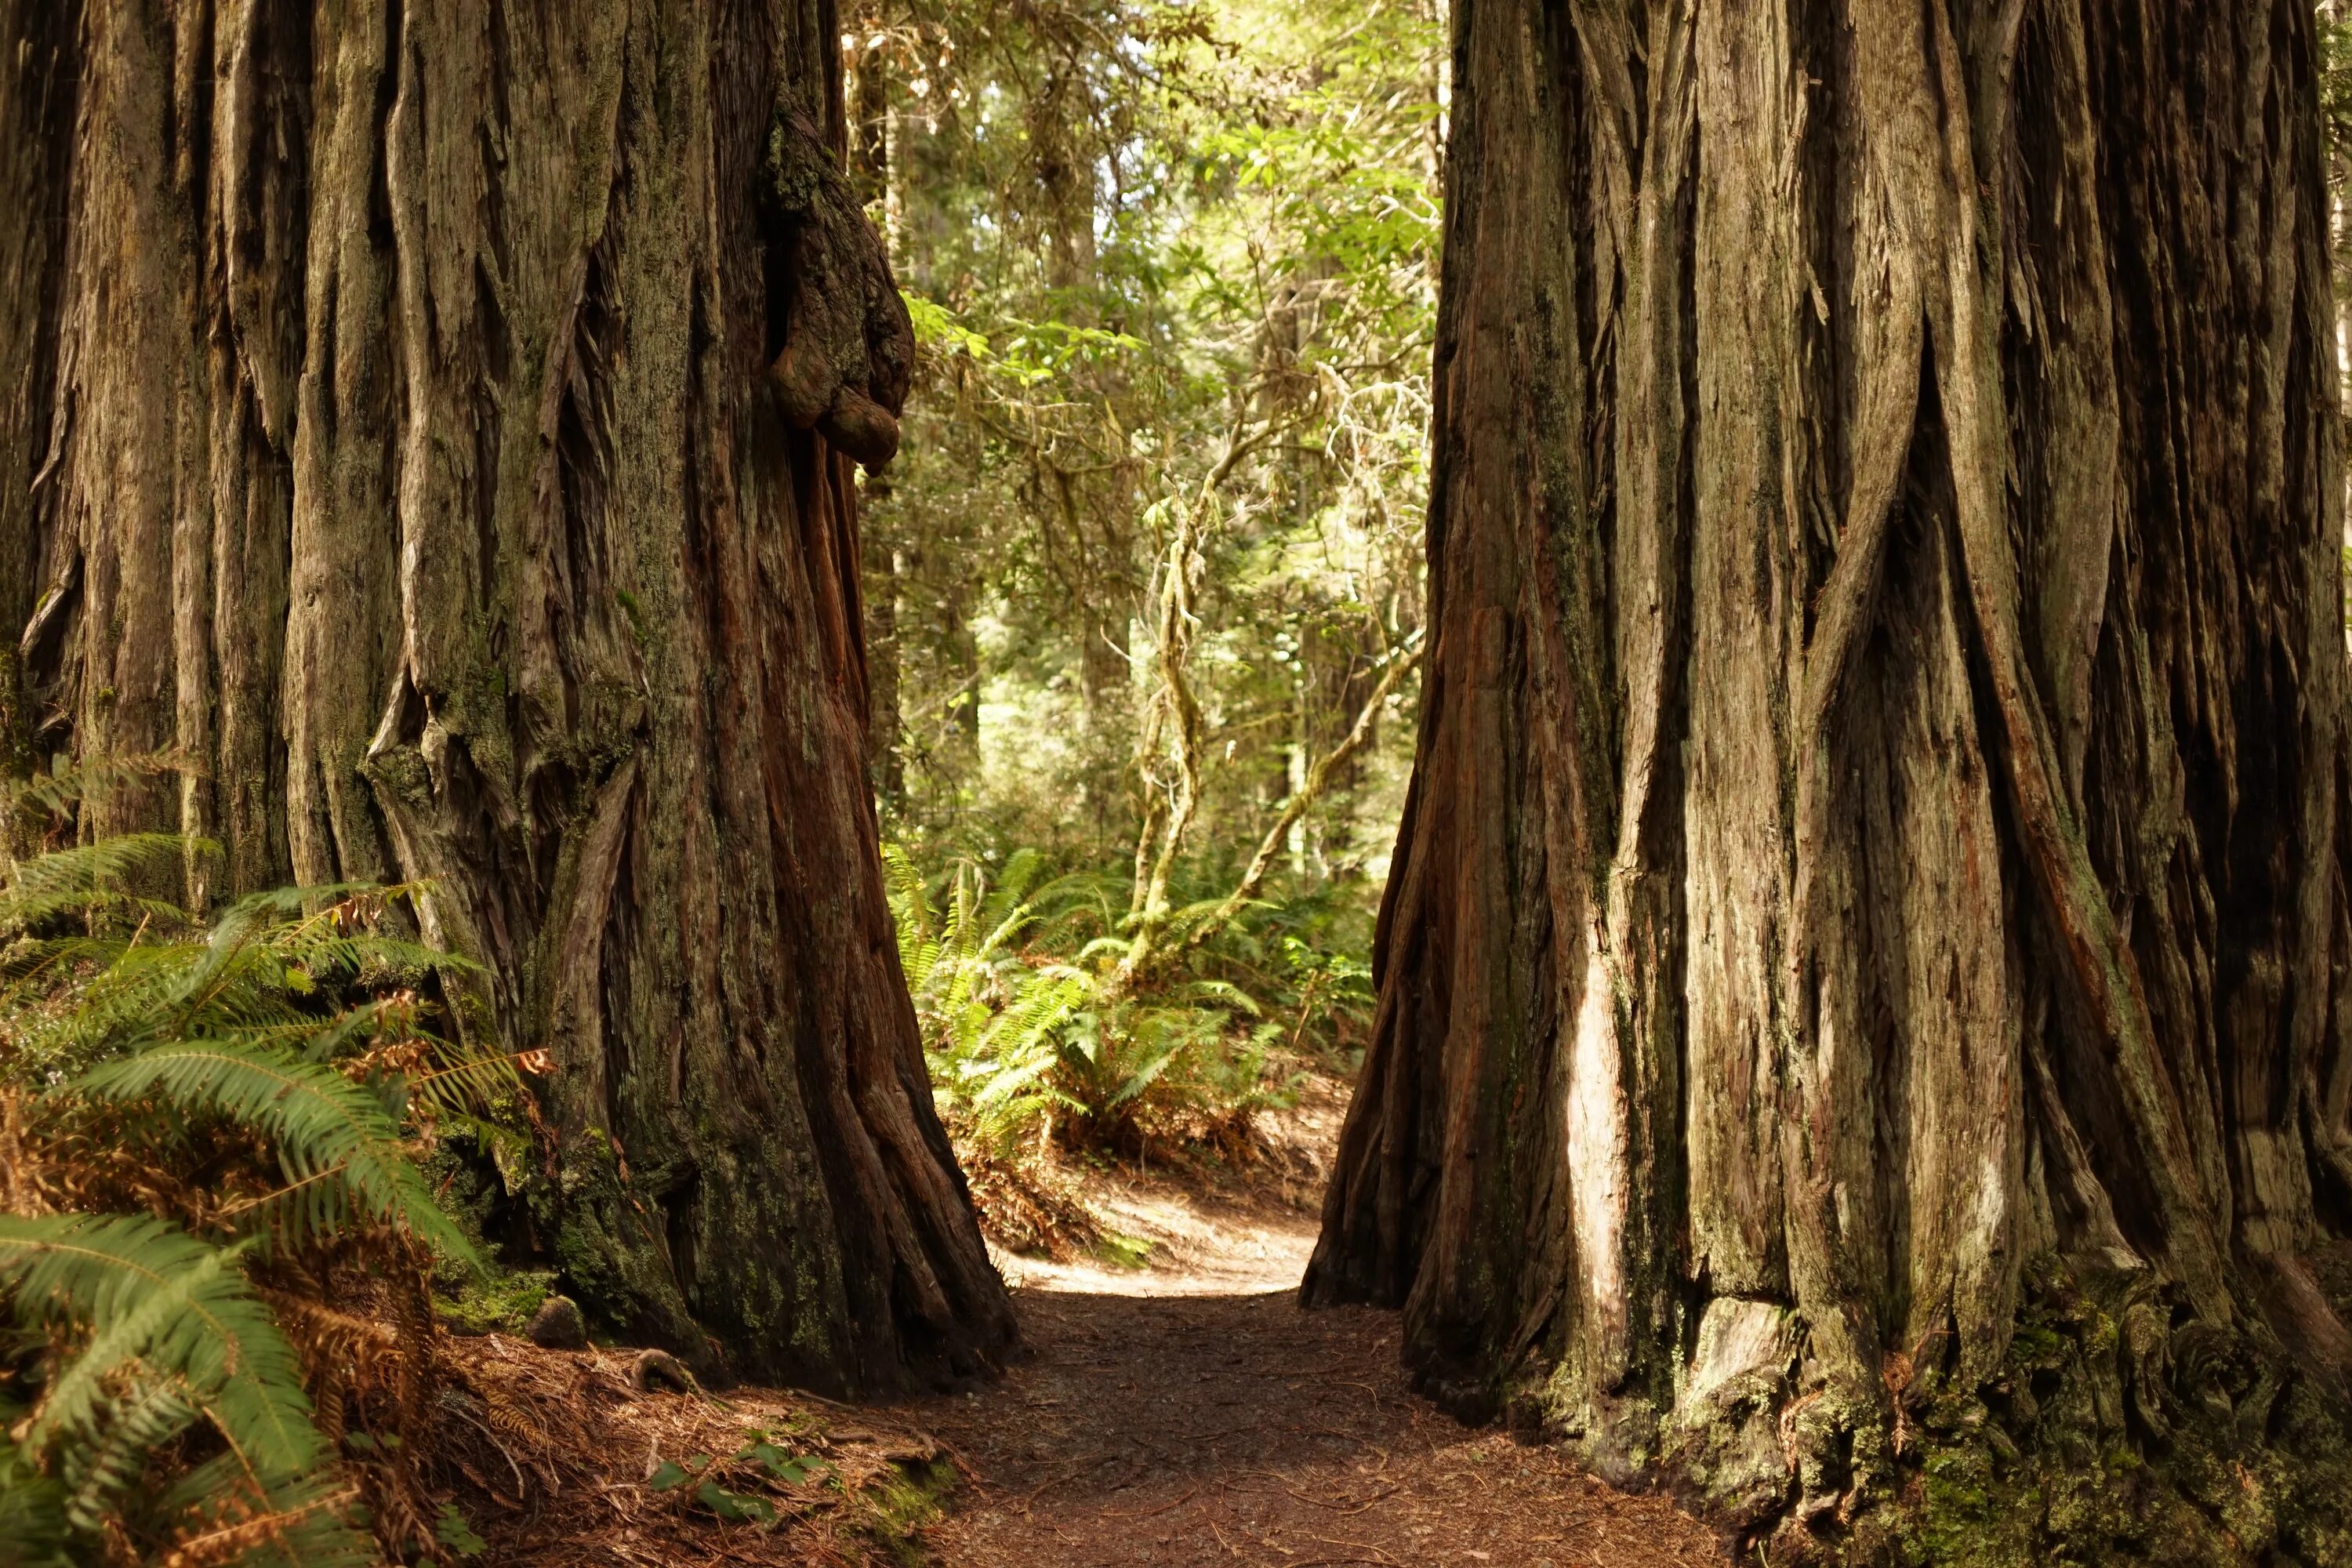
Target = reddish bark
(1876,826)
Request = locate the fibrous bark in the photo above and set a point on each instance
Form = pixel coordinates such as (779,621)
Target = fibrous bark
(1878,818)
(445,413)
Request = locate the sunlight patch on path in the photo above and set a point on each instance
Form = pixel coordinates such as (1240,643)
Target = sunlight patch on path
(1194,1244)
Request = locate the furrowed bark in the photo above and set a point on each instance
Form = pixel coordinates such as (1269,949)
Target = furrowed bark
(38,47)
(1873,848)
(417,467)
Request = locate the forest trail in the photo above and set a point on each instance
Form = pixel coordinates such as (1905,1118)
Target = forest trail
(1190,1413)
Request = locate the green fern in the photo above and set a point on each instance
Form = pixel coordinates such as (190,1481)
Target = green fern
(126,1018)
(32,1507)
(341,1152)
(98,1477)
(160,1304)
(1020,1038)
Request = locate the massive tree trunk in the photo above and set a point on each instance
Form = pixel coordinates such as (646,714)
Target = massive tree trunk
(443,413)
(1877,856)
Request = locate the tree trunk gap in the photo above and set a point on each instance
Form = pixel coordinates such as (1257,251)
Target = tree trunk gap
(1874,873)
(434,422)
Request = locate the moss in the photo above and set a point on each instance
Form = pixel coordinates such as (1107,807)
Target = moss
(498,1299)
(894,1509)
(401,771)
(636,617)
(15,727)
(1122,1251)
(2119,1431)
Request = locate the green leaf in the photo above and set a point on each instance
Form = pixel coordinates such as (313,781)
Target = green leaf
(736,1508)
(455,1534)
(173,1320)
(787,1468)
(340,1149)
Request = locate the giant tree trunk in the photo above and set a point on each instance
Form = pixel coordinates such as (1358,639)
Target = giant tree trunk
(409,460)
(1877,842)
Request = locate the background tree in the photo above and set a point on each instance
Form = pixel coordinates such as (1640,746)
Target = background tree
(1875,863)
(1174,265)
(390,436)
(1144,586)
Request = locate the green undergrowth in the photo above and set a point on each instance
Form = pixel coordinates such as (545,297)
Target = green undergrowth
(494,1299)
(2119,1432)
(1123,1251)
(1038,1042)
(209,1115)
(775,1479)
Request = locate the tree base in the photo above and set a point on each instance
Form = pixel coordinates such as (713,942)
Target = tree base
(2119,1430)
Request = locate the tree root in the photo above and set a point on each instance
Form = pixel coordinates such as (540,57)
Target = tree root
(654,1368)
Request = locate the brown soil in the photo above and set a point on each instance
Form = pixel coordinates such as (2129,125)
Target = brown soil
(1214,1430)
(1190,1413)
(1185,1412)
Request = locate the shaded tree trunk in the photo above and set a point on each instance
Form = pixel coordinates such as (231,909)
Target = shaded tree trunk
(414,465)
(1876,843)
(39,47)
(871,153)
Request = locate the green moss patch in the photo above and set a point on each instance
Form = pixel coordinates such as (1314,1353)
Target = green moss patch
(2119,1431)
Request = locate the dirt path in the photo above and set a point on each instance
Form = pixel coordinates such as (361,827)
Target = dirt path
(1191,1413)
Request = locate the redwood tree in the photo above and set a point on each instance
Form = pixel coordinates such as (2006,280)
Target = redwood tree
(434,421)
(1876,855)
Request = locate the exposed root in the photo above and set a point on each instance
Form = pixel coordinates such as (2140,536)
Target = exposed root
(653,1371)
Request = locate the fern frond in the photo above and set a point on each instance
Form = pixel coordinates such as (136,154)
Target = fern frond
(100,1475)
(1223,993)
(1011,887)
(303,1524)
(467,1084)
(32,1511)
(321,1124)
(105,907)
(151,1293)
(1043,1004)
(93,777)
(920,960)
(1009,924)
(1143,1077)
(106,866)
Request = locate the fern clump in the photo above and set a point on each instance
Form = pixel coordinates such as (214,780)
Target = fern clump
(167,1332)
(201,1120)
(1032,1036)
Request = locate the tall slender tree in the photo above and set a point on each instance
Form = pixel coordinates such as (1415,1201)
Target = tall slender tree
(437,421)
(1878,852)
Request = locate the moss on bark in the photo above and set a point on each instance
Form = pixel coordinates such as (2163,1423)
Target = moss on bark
(2120,1431)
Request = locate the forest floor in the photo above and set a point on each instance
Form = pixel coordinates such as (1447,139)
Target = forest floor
(1173,1406)
(1187,1412)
